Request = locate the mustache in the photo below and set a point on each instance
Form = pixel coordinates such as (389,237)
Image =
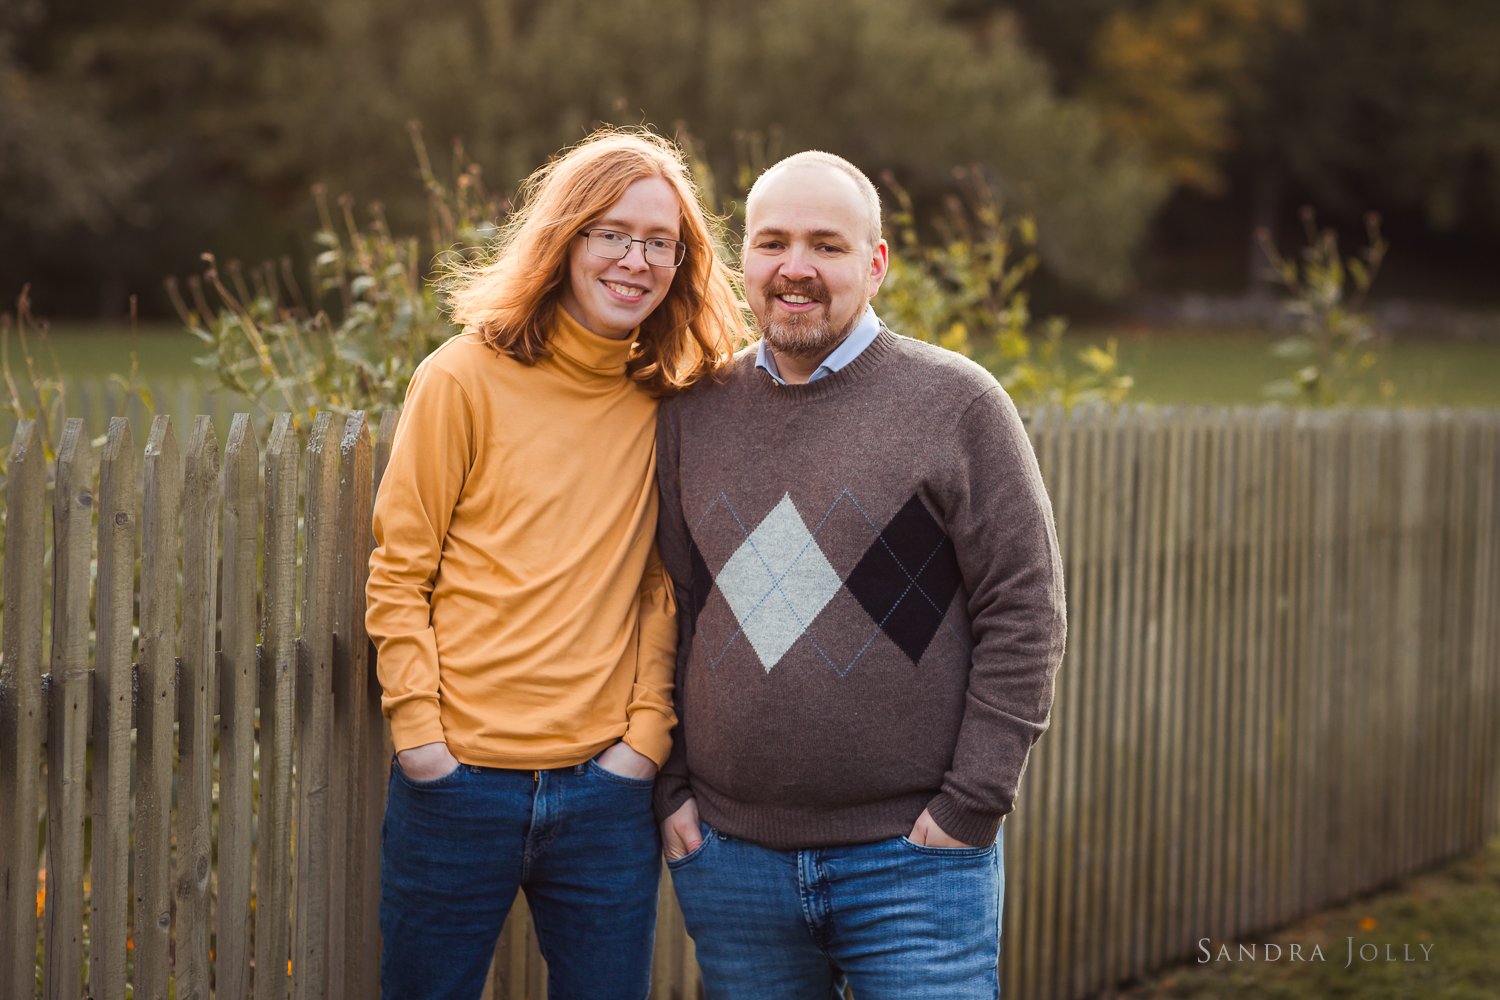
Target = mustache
(812,288)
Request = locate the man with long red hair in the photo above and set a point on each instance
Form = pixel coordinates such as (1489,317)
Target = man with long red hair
(524,624)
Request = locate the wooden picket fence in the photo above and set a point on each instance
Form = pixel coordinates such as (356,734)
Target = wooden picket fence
(1281,690)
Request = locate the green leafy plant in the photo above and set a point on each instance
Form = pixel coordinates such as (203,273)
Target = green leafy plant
(965,290)
(1335,347)
(373,312)
(35,391)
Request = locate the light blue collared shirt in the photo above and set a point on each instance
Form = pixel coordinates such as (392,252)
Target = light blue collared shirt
(851,347)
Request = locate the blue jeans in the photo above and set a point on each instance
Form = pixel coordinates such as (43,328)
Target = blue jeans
(899,920)
(581,842)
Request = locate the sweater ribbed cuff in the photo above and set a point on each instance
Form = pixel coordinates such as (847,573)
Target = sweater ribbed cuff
(416,724)
(671,791)
(650,734)
(970,826)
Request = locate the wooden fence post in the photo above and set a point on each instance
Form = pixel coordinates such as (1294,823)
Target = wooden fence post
(160,548)
(195,687)
(315,879)
(237,708)
(378,749)
(274,873)
(67,726)
(350,700)
(22,713)
(114,705)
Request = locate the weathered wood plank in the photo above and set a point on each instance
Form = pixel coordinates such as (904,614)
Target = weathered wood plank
(1487,626)
(1197,707)
(161,547)
(1046,980)
(237,689)
(380,749)
(22,712)
(1168,901)
(67,727)
(275,871)
(1241,664)
(1121,710)
(193,873)
(1075,720)
(315,878)
(353,734)
(114,703)
(1146,581)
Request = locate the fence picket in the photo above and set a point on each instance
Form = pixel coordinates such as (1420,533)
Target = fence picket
(274,871)
(353,735)
(197,670)
(119,520)
(22,713)
(315,881)
(237,691)
(378,771)
(160,551)
(68,719)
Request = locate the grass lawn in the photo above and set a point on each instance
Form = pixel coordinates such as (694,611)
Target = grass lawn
(92,351)
(1191,367)
(1454,911)
(1170,366)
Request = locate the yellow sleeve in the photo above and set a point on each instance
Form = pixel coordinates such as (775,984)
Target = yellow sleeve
(650,716)
(430,460)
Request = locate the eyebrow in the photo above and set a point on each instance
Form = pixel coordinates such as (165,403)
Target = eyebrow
(816,234)
(612,223)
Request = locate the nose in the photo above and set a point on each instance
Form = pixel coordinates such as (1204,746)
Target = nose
(635,257)
(797,266)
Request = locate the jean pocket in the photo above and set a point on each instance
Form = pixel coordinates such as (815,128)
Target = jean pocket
(674,864)
(600,771)
(947,852)
(444,781)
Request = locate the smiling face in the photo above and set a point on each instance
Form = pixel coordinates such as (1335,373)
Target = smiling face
(810,266)
(612,297)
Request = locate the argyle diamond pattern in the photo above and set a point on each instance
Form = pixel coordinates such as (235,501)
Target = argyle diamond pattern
(907,578)
(778,585)
(776,582)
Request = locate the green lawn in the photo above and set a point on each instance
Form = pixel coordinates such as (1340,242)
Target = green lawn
(1454,912)
(1170,366)
(1190,367)
(164,350)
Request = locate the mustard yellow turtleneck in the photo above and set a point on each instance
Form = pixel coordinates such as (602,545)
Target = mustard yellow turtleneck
(515,596)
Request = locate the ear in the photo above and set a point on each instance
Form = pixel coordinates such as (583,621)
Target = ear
(879,263)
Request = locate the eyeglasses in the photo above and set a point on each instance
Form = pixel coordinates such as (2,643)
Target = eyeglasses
(660,251)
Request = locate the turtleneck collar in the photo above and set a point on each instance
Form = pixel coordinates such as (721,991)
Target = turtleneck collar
(587,350)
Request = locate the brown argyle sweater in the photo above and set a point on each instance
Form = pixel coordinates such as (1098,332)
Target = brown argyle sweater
(870,599)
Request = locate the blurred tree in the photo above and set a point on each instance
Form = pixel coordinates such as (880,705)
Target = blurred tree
(1388,103)
(887,84)
(63,165)
(1172,75)
(159,123)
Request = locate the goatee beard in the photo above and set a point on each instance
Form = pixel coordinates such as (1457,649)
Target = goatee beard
(803,335)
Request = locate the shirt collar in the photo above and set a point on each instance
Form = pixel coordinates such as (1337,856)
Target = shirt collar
(851,347)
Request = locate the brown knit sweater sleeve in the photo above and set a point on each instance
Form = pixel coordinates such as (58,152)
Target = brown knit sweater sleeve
(672,788)
(1000,520)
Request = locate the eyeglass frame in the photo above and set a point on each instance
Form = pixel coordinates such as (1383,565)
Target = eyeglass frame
(681,245)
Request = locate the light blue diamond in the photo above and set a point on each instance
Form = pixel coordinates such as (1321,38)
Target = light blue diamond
(776,582)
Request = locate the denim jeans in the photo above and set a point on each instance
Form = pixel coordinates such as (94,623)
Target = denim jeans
(581,842)
(899,920)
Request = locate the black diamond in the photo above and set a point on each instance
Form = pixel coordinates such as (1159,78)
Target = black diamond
(911,545)
(700,586)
